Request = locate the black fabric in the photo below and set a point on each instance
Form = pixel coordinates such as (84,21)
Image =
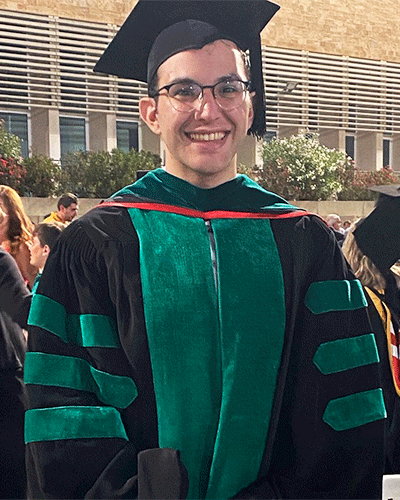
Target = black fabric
(392,399)
(14,307)
(378,235)
(94,268)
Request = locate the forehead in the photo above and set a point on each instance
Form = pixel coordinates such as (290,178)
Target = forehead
(205,65)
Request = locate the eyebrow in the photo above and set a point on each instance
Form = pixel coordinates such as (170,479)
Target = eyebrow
(231,76)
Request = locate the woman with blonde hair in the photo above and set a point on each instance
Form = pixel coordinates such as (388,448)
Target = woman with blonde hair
(17,233)
(363,268)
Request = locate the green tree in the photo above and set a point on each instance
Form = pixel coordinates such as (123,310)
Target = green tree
(300,168)
(43,177)
(10,144)
(100,174)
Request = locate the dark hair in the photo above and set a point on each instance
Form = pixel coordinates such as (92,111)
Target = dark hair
(48,233)
(152,87)
(66,200)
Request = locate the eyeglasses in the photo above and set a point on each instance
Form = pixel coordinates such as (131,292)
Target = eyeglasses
(187,96)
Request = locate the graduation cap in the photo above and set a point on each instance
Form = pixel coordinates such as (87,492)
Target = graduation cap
(157,29)
(378,235)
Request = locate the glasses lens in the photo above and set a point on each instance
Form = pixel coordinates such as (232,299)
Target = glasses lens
(184,95)
(230,94)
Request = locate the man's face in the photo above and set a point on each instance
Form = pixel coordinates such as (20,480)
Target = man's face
(38,253)
(70,212)
(201,144)
(336,224)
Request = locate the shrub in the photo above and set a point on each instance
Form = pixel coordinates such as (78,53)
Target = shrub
(300,168)
(356,184)
(43,177)
(12,173)
(10,144)
(100,174)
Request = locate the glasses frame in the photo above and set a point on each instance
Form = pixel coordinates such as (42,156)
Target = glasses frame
(172,99)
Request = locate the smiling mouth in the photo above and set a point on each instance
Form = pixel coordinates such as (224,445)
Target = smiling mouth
(214,136)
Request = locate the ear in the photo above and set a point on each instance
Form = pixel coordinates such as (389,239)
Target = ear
(148,113)
(45,250)
(251,108)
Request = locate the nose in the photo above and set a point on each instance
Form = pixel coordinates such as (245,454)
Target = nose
(207,107)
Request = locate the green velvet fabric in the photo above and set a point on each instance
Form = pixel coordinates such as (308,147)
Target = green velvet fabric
(335,295)
(344,354)
(86,330)
(73,422)
(355,410)
(76,373)
(215,351)
(240,193)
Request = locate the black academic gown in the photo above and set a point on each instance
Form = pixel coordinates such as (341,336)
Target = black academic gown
(14,308)
(201,343)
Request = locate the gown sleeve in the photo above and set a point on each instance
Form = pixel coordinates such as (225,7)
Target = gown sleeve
(15,297)
(330,411)
(14,307)
(87,371)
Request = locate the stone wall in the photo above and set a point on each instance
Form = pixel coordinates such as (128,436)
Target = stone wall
(37,208)
(359,28)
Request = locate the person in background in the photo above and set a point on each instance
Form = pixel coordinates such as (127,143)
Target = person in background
(346,227)
(67,209)
(334,223)
(44,237)
(17,232)
(196,336)
(15,300)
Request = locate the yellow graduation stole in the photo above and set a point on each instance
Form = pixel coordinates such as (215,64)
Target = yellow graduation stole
(392,340)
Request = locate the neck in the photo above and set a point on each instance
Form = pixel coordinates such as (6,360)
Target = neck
(204,180)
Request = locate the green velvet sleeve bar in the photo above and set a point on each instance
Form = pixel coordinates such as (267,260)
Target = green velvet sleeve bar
(86,330)
(335,295)
(73,422)
(76,373)
(344,354)
(355,410)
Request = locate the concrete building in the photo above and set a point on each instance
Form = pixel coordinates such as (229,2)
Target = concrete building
(331,66)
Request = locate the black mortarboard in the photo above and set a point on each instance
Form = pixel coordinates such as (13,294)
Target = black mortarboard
(157,29)
(378,235)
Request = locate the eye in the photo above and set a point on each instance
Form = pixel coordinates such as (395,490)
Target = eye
(229,89)
(184,91)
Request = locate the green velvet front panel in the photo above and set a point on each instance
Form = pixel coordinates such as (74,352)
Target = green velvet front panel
(73,422)
(214,356)
(75,373)
(355,410)
(335,295)
(252,326)
(86,330)
(344,354)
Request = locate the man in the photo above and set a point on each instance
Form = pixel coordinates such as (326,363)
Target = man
(44,237)
(334,223)
(196,336)
(67,209)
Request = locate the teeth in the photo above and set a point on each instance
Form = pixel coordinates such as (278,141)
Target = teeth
(207,137)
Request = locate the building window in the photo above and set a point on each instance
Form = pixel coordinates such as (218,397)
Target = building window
(72,135)
(350,146)
(387,149)
(17,124)
(269,135)
(127,136)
